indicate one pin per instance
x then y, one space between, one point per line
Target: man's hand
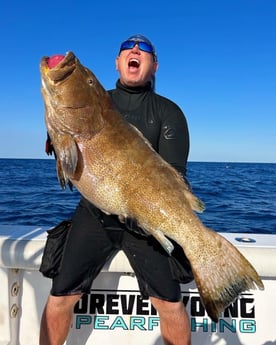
49 148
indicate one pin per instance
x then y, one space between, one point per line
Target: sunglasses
145 47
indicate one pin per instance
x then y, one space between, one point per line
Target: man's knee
162 305
62 302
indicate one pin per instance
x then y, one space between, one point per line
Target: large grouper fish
114 167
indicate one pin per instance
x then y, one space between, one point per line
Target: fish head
71 94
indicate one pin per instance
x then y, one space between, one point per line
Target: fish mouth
58 67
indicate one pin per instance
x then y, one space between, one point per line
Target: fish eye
90 82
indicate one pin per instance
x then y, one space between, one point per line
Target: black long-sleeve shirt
160 120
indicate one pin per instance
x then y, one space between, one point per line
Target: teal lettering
213 326
153 322
83 320
99 322
203 324
119 323
224 324
138 322
247 326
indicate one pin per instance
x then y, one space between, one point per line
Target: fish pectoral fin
164 241
195 203
67 154
62 177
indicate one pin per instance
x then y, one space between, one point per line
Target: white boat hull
114 313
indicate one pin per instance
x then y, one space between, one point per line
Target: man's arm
174 142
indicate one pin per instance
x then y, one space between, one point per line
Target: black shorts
89 245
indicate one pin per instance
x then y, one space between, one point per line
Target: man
95 237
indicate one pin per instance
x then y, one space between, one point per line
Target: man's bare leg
174 322
56 319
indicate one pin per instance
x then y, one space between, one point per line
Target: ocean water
239 197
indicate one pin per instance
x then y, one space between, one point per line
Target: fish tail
221 273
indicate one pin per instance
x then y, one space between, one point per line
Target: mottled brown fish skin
113 166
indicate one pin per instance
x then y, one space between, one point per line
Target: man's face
135 66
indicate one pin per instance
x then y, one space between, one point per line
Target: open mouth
134 63
54 60
58 67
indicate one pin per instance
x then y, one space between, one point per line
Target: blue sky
217 61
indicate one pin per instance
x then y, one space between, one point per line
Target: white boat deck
23 292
